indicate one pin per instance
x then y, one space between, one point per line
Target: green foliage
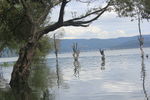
146 5
44 47
15 28
130 8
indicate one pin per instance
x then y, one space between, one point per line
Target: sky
109 25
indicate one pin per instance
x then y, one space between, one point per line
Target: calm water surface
124 76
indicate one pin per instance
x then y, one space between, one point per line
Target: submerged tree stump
76 51
102 59
76 63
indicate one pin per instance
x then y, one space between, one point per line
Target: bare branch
61 14
59 23
75 22
80 21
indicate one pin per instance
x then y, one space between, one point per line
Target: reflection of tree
3 81
1 73
103 65
143 75
41 82
59 74
76 63
77 67
6 95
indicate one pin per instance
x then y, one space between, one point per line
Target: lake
123 76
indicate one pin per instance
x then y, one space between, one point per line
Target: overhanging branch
80 21
61 14
59 23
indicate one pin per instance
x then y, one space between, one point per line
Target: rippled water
125 76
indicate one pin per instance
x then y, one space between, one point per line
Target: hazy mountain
95 44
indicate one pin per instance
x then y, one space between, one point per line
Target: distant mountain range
95 44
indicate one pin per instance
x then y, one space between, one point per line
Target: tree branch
59 23
61 14
47 10
89 14
75 21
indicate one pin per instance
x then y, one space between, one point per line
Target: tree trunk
21 69
141 39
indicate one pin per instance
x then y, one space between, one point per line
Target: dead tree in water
56 39
76 63
102 53
76 51
140 38
56 49
102 59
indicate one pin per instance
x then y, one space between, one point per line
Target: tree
130 8
137 9
56 42
12 31
32 14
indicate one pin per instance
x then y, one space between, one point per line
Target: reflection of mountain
95 44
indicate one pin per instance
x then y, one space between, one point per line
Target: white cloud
120 87
92 32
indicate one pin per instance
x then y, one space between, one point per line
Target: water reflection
59 74
1 73
147 56
41 85
3 82
77 68
103 65
143 76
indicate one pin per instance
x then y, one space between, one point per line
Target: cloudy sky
107 26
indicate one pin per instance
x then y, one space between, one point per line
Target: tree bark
21 69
